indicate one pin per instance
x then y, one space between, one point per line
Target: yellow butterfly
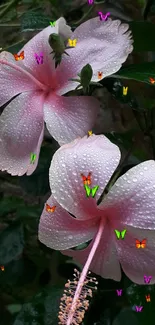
90 133
52 24
72 42
125 90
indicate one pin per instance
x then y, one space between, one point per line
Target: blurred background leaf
34 20
140 72
11 242
142 32
43 308
38 183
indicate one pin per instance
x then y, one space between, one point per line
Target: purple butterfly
38 58
119 292
147 279
139 308
103 17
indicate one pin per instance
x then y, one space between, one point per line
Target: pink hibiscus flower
40 88
129 204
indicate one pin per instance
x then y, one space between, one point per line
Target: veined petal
12 81
69 117
131 200
95 154
137 262
45 72
21 133
104 45
105 262
58 230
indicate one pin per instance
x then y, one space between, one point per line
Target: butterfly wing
152 80
138 243
16 57
49 208
22 55
117 233
88 190
94 190
31 157
84 179
123 233
143 243
74 42
89 179
90 133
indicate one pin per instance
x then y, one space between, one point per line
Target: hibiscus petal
137 262
95 154
105 262
58 230
21 133
45 72
62 29
12 81
104 45
131 200
69 117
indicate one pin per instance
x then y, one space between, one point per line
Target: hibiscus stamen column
71 304
20 69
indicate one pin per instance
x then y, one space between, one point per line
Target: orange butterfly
2 267
50 209
100 74
152 80
86 180
19 57
141 244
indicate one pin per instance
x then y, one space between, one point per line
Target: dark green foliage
140 72
11 243
34 20
42 310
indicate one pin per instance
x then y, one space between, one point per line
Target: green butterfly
52 24
32 157
91 191
120 234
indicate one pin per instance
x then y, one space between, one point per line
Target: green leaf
17 273
29 211
14 308
127 317
11 243
34 20
10 204
42 310
140 72
16 47
86 75
143 35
